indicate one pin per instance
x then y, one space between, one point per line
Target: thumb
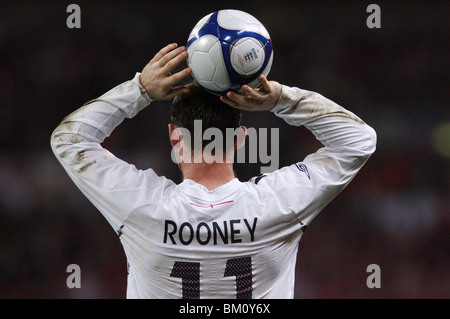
173 92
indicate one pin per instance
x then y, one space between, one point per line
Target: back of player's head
199 104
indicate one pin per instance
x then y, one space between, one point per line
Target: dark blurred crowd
394 214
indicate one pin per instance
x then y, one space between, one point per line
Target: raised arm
111 184
308 186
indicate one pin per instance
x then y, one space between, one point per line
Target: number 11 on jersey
189 272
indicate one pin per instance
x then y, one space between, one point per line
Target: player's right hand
263 98
156 76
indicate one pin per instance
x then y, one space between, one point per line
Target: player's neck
209 175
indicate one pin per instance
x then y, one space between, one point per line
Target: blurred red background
394 214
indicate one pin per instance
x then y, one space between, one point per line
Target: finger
169 56
164 51
238 101
177 77
177 91
229 102
254 94
265 83
236 98
174 62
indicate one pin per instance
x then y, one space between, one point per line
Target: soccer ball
227 49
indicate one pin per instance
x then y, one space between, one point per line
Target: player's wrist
138 80
282 102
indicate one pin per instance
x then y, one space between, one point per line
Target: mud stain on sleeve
86 166
80 156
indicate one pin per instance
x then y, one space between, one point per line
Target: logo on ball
250 55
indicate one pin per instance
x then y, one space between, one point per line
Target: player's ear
240 137
175 135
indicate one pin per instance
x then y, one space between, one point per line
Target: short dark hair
199 104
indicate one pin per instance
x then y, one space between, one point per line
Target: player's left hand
156 76
263 98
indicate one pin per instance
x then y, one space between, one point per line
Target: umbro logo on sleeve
302 168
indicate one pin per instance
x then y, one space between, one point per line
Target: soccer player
211 236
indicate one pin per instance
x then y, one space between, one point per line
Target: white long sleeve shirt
239 240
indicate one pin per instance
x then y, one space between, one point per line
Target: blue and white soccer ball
227 49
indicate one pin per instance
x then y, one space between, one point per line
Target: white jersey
239 240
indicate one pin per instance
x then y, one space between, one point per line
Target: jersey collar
197 190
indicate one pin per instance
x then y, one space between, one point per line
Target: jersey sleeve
306 187
112 185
